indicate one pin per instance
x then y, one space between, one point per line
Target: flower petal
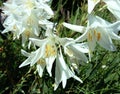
95 21
62 72
92 4
38 42
49 64
76 28
78 54
40 68
114 7
25 53
113 29
26 62
105 40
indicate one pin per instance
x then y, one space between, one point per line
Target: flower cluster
30 20
26 17
98 30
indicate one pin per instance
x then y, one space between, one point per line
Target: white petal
26 62
76 28
49 63
78 54
83 47
114 36
92 4
66 41
62 72
40 68
82 37
114 7
95 21
64 81
47 9
113 29
38 42
91 42
37 55
25 53
105 40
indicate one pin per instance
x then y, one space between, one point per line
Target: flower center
50 50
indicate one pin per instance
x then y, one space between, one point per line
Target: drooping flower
26 18
63 72
98 30
50 51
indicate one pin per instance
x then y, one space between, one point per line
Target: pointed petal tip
20 66
80 80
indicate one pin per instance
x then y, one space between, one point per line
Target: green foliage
100 76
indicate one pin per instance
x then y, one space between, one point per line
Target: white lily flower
14 26
47 51
26 18
100 31
92 4
62 72
50 50
114 7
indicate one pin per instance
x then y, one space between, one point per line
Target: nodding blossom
98 31
25 18
50 51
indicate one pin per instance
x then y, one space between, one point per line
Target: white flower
114 7
62 72
49 51
92 4
100 31
46 51
26 18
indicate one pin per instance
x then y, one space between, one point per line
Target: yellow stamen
94 32
89 37
50 50
98 36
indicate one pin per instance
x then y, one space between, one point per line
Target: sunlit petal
76 28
